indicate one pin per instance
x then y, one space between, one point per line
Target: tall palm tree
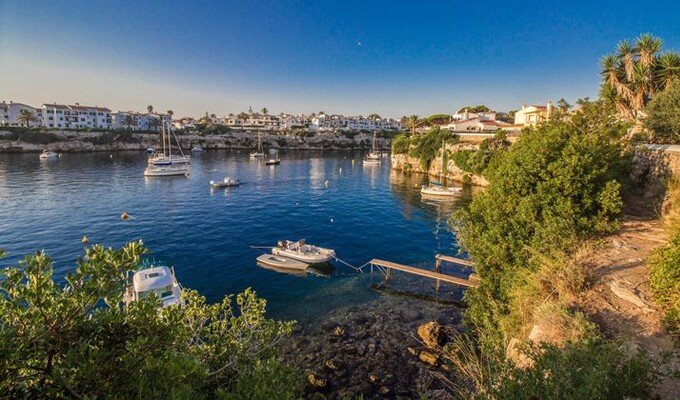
149 108
129 120
265 111
25 117
632 76
413 122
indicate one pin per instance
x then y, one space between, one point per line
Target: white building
9 114
533 115
75 116
483 116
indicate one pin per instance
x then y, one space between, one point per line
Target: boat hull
449 191
167 171
281 262
316 258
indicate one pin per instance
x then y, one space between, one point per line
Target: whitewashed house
75 116
140 121
9 114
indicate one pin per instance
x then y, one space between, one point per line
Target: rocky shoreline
70 141
376 350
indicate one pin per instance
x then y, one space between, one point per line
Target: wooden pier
388 266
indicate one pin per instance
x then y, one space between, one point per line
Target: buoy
326 183
126 216
341 170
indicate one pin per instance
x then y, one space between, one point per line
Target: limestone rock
317 381
330 365
428 358
432 334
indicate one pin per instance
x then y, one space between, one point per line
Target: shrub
461 158
663 115
28 135
76 340
401 144
426 146
664 274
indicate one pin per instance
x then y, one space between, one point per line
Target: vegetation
426 146
111 137
25 118
77 341
401 144
438 119
475 109
663 115
412 123
28 135
665 281
476 161
632 76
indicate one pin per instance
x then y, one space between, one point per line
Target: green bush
29 135
664 274
556 185
401 144
462 159
77 341
426 146
663 115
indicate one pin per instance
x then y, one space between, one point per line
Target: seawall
406 163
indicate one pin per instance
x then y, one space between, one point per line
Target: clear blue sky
347 57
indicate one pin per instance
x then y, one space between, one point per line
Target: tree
265 111
663 115
475 109
129 120
374 117
413 122
25 117
632 76
154 123
149 108
563 105
74 340
243 116
170 113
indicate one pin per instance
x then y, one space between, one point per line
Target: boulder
432 334
317 381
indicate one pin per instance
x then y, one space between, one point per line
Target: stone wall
653 166
405 163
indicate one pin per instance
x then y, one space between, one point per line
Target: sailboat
436 188
373 157
259 153
165 163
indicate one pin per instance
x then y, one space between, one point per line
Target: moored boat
281 262
197 149
226 182
166 163
434 189
48 155
274 160
303 252
259 153
159 280
373 157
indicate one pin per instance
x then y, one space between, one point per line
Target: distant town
77 116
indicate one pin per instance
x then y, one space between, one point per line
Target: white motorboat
197 149
281 262
274 160
226 182
150 150
259 153
167 163
159 280
48 155
303 252
437 189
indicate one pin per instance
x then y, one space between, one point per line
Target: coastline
72 142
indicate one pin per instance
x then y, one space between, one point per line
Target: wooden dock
459 261
389 266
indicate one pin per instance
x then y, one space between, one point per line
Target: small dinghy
226 182
303 252
281 262
48 155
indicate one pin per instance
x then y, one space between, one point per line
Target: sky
347 57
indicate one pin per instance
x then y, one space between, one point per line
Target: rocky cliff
406 163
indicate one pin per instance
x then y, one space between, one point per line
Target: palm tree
413 122
25 117
632 76
170 113
265 111
154 123
129 120
149 108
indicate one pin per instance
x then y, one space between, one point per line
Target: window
51 118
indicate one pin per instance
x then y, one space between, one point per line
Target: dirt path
620 300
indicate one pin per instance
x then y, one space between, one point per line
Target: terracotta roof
466 120
489 122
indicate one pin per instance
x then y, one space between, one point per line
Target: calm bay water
363 212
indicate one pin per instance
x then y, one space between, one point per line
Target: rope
359 269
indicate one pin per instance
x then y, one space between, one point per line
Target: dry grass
671 207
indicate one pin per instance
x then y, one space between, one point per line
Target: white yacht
197 149
373 157
303 252
226 182
274 160
166 163
159 280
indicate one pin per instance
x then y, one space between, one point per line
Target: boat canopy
152 279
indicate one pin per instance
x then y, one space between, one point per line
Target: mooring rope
360 269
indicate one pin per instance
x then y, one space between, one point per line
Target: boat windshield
162 293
